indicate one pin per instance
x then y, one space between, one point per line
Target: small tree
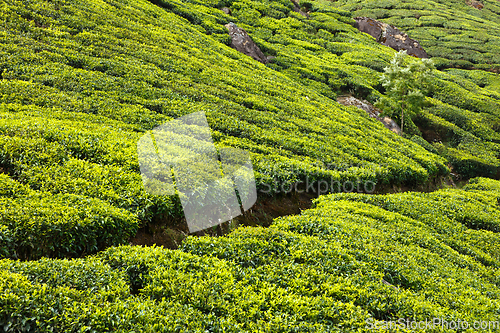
407 82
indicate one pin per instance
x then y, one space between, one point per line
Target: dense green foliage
81 82
351 260
406 83
464 106
36 224
324 52
451 31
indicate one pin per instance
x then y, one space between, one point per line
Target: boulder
296 8
244 44
226 10
391 36
372 111
476 4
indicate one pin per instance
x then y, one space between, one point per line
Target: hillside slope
463 112
351 264
81 82
454 32
323 50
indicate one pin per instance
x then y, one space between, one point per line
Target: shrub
63 225
81 84
406 85
350 260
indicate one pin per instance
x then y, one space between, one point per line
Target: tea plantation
350 263
82 81
454 32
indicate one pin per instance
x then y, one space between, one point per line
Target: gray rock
391 36
372 111
244 44
476 4
226 10
296 8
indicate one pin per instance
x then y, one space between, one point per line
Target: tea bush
82 82
61 225
352 260
27 305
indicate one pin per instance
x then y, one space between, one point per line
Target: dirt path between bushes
171 233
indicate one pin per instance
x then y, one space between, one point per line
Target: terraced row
349 264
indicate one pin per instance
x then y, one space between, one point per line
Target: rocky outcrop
391 36
372 111
270 58
244 44
296 8
476 4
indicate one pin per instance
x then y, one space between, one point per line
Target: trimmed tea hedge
349 263
81 82
39 225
